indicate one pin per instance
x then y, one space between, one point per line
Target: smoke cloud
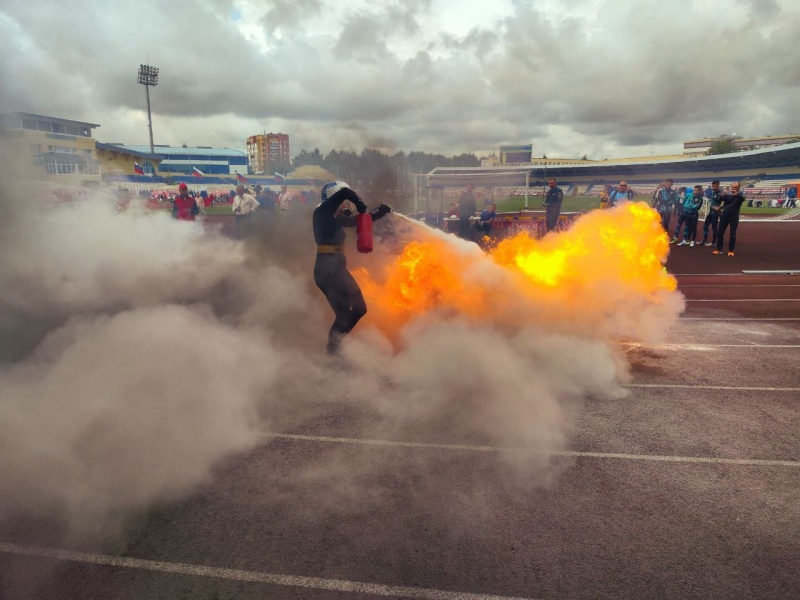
138 353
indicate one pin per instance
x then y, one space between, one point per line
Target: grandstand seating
132 179
769 188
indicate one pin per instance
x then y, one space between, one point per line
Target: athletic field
686 488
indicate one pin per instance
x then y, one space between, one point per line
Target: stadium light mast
148 76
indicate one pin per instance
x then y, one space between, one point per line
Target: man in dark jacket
330 270
714 193
731 204
466 208
552 204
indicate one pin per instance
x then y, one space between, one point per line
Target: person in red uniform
184 207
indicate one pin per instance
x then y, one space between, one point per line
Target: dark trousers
343 294
465 230
724 221
665 218
245 225
690 229
552 211
712 219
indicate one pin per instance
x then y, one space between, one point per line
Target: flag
280 177
197 172
241 178
138 169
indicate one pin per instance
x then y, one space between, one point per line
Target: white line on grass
570 453
317 583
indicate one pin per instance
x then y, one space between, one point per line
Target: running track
687 488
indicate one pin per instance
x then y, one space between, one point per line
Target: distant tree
584 157
378 175
308 158
465 160
722 147
544 156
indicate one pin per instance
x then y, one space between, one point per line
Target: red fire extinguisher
364 233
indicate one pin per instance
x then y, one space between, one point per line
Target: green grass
225 209
570 204
586 203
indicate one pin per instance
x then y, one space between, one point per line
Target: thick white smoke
138 352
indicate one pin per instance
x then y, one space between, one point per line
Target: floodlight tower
148 76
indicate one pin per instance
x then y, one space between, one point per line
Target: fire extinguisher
364 233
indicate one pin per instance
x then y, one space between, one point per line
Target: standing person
714 193
619 195
244 208
791 197
184 207
201 203
604 197
691 208
466 208
664 202
266 200
284 199
330 270
731 204
552 204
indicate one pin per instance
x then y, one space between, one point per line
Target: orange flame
608 263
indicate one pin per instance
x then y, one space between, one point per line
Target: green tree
722 147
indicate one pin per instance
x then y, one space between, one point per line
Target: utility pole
148 76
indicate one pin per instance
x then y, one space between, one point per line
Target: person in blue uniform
691 208
664 202
330 269
487 217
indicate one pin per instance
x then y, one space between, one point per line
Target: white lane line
728 286
739 318
749 300
507 450
317 583
713 387
706 346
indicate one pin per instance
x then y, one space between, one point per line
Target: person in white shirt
245 206
285 199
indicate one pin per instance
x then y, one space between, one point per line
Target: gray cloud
623 77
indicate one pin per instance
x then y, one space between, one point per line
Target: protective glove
380 212
360 206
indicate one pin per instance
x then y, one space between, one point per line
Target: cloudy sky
606 78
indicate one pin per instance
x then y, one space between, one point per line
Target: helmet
329 189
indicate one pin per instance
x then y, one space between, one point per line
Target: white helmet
329 189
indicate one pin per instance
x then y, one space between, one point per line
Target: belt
329 249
